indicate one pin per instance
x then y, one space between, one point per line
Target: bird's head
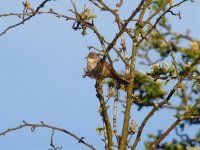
93 57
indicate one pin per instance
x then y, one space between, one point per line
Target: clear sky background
41 68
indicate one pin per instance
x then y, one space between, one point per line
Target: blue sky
41 65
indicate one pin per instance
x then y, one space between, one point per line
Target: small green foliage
157 5
27 5
170 3
85 17
159 2
152 136
109 82
193 51
99 130
162 71
166 82
84 32
148 89
87 14
197 82
171 70
154 7
177 115
198 136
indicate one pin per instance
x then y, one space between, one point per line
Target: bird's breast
91 64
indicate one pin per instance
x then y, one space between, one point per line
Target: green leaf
170 69
154 7
166 82
92 16
99 130
84 32
170 3
152 136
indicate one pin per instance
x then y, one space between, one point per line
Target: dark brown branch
104 113
153 147
43 125
156 106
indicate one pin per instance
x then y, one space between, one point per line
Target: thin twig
171 51
23 21
115 115
39 13
119 4
110 46
52 143
96 4
156 22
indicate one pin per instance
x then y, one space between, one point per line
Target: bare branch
153 147
110 46
43 125
182 117
24 20
158 19
119 4
96 4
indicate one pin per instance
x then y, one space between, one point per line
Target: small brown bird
97 68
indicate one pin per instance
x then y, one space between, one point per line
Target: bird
97 68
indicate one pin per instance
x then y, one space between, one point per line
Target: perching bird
97 68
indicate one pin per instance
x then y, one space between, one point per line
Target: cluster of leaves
27 5
146 89
194 120
162 71
187 50
192 52
86 16
156 43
